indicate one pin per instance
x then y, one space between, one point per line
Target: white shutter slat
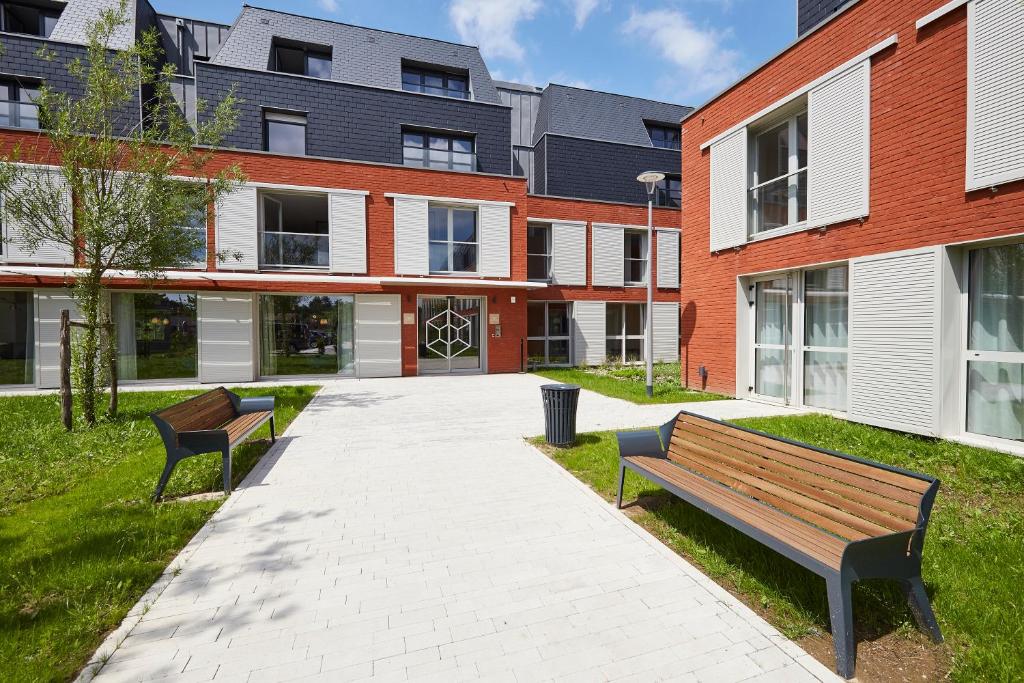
238 229
569 253
608 249
995 92
729 191
411 237
495 241
348 233
14 247
839 147
588 332
668 259
665 324
378 335
226 338
894 341
48 305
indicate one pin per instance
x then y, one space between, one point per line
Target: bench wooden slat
811 541
206 411
820 493
812 474
238 427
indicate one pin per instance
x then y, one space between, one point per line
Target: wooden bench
844 518
214 422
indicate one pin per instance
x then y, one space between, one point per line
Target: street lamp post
651 180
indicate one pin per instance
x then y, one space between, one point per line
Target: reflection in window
435 150
306 335
624 332
17 104
826 315
435 82
294 230
156 335
778 195
665 137
302 60
17 338
29 19
547 330
635 257
284 133
669 192
453 239
538 252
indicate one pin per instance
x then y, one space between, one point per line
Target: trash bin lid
560 387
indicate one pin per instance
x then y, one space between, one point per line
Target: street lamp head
650 179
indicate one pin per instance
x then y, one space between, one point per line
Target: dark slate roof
360 55
581 113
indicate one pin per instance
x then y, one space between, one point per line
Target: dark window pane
411 78
462 145
464 258
558 320
773 153
535 320
412 139
291 60
801 140
157 336
634 350
634 319
437 223
558 351
537 267
17 343
613 350
535 351
438 258
463 225
286 138
319 65
537 239
613 320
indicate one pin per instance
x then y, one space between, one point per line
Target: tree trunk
65 368
111 351
89 297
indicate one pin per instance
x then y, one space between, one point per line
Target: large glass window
453 239
773 320
17 338
434 150
635 257
30 19
538 252
826 316
284 133
306 335
995 342
624 332
17 104
669 192
294 230
778 194
303 60
156 335
547 330
665 137
435 82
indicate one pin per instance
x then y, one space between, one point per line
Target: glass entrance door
449 334
773 337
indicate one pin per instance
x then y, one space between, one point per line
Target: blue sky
679 51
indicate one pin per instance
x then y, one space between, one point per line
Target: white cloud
703 64
328 5
491 24
582 9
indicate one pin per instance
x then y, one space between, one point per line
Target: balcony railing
436 90
295 250
438 158
15 114
780 202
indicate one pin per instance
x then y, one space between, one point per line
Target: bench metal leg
227 471
840 608
164 476
622 481
921 606
273 433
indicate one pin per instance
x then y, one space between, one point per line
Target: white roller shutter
411 237
226 349
668 259
348 232
238 229
48 305
378 335
729 191
14 247
839 147
995 92
494 240
569 253
666 332
608 244
894 341
589 332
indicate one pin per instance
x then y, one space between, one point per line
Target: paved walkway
403 530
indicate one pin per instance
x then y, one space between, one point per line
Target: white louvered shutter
15 249
666 332
48 305
238 229
839 147
411 237
729 191
995 92
348 232
493 222
608 256
378 335
894 341
668 259
226 352
569 253
588 332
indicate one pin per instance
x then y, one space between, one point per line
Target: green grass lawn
79 540
974 553
629 382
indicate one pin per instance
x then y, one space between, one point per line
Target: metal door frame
481 333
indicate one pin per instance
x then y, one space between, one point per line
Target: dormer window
665 137
433 81
33 19
300 59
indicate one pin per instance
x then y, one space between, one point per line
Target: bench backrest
206 411
846 496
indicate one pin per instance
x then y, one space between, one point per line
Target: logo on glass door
449 334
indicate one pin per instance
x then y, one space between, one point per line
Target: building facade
386 226
853 223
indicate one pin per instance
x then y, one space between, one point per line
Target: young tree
114 194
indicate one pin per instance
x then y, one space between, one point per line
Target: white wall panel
569 253
493 222
588 332
378 335
729 191
238 229
668 259
226 348
666 332
411 237
608 247
48 305
49 252
348 233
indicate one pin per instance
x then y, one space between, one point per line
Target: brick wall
918 142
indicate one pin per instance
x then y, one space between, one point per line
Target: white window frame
549 255
548 337
793 173
626 260
450 241
622 336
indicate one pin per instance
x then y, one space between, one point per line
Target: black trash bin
560 402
